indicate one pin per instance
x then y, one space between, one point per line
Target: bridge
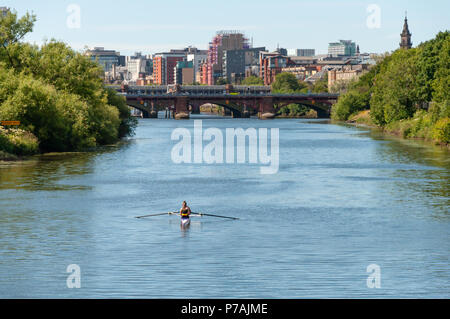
240 101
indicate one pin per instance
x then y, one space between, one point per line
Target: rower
185 211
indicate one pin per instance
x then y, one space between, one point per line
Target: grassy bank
309 114
17 142
421 126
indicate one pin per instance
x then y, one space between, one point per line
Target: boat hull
185 222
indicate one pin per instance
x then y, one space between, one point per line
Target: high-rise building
233 64
301 52
342 48
223 41
163 66
106 58
236 62
405 36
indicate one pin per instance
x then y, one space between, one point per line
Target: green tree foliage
17 141
349 104
12 30
57 93
253 80
221 81
287 83
407 92
396 94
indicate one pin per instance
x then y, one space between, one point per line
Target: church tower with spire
405 42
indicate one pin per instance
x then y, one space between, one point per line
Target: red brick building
163 67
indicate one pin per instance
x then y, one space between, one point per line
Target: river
344 198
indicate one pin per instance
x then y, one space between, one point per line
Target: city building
304 60
237 62
281 51
301 52
106 58
184 73
233 65
252 61
272 64
137 65
197 59
223 41
163 66
342 48
345 73
405 36
301 72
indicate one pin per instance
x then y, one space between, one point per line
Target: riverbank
15 143
311 114
6 157
411 129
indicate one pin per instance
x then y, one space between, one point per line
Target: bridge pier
266 109
145 114
181 108
153 113
245 112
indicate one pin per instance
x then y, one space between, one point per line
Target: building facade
137 66
301 52
197 59
342 48
345 73
163 67
184 73
106 58
271 64
223 41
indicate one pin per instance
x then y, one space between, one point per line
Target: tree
395 93
57 93
348 104
221 81
253 80
12 30
286 83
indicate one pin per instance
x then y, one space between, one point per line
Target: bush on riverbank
17 141
407 92
56 93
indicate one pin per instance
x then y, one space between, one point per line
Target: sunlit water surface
344 198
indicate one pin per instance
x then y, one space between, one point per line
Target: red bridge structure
240 101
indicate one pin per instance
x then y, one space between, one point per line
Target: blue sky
154 26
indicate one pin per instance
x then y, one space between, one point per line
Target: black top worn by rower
185 212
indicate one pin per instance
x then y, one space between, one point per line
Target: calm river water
344 198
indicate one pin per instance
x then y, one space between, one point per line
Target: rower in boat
185 213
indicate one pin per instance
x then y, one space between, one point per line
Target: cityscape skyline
375 27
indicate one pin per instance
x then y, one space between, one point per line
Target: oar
211 215
160 214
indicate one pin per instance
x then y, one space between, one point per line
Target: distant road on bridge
240 100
